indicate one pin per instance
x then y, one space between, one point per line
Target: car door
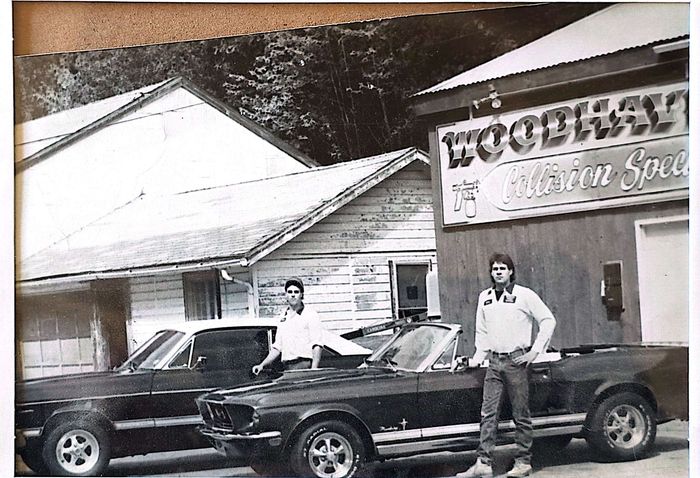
226 357
450 401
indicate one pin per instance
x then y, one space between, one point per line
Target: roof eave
277 240
589 75
214 263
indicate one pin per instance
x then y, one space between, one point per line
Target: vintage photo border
7 202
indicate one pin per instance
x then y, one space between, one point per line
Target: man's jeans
503 372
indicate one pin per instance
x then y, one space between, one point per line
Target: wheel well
77 415
341 416
639 389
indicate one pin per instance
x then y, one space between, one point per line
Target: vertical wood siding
344 259
559 257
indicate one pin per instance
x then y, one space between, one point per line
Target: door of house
662 260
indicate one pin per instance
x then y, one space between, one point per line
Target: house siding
345 259
156 302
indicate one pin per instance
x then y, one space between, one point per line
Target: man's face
293 295
501 274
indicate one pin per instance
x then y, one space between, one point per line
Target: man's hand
257 369
526 358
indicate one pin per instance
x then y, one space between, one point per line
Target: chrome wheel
330 455
625 426
77 451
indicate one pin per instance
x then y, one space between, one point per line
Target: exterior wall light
493 97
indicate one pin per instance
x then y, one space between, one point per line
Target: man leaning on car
504 317
299 333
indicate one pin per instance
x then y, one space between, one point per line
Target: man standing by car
504 317
299 334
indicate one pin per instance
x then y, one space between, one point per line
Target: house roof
213 227
42 137
619 27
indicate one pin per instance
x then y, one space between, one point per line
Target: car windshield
153 351
409 348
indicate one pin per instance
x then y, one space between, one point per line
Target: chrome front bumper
229 436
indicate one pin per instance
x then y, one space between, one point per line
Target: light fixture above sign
493 97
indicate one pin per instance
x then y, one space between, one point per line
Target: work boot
478 469
520 469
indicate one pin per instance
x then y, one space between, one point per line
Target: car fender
609 388
77 410
336 411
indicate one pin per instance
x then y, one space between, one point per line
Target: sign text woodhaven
620 149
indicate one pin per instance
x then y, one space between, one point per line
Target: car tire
550 444
34 461
623 427
270 468
78 448
328 449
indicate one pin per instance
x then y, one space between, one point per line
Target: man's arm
546 324
271 357
481 338
316 353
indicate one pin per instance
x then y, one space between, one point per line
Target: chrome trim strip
453 430
234 436
415 446
505 425
134 424
31 432
394 436
178 421
158 422
563 424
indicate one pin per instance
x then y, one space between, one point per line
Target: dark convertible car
416 395
73 424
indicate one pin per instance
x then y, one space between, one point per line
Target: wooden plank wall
395 215
559 257
344 259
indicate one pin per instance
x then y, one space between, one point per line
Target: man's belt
513 354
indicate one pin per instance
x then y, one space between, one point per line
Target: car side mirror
459 363
200 364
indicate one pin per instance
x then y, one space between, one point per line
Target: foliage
336 93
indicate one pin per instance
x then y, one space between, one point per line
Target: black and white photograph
447 244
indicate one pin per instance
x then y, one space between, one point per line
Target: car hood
306 385
82 385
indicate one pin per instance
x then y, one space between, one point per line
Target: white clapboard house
360 234
76 166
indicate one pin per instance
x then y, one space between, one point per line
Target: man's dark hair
503 259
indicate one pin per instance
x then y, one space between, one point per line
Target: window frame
394 265
189 279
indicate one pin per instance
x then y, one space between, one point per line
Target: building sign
620 149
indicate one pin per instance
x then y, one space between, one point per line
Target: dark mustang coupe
414 395
73 424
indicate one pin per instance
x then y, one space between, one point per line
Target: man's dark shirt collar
509 288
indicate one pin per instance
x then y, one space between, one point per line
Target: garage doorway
662 261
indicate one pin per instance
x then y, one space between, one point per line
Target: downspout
252 306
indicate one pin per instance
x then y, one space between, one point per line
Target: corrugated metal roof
204 225
618 27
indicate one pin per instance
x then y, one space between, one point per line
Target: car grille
232 417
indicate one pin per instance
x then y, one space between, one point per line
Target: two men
299 334
504 317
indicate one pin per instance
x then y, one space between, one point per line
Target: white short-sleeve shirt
298 333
